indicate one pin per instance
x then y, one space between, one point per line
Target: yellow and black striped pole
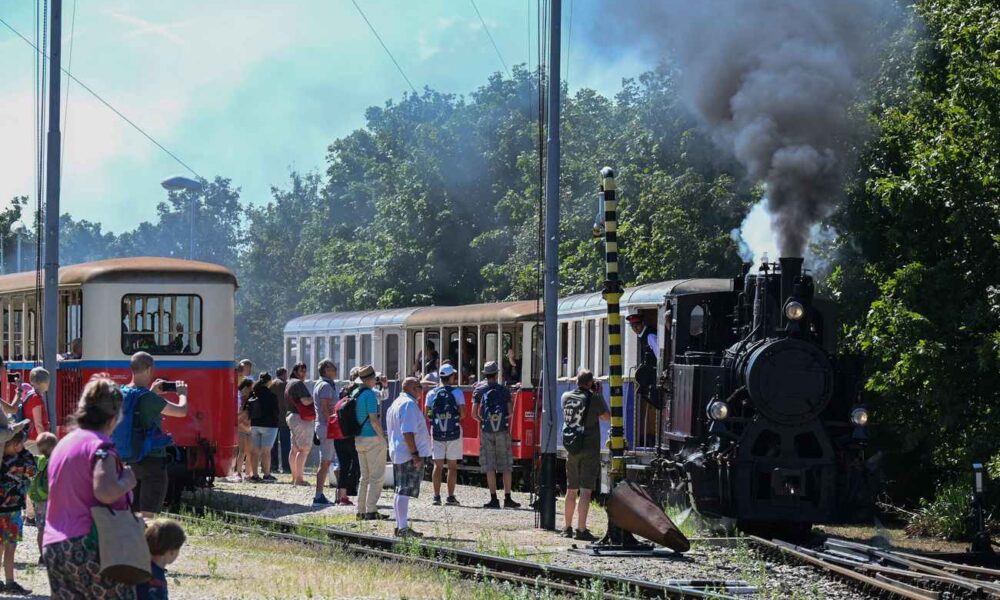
612 295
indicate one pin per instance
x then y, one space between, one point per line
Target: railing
70 386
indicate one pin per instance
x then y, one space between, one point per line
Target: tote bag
121 539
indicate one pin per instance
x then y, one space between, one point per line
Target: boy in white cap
446 409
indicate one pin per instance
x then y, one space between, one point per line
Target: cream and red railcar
180 311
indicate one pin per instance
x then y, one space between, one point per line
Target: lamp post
18 229
179 183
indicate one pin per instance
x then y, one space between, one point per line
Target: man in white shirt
409 443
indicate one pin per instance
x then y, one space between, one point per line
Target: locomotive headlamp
794 310
859 416
718 410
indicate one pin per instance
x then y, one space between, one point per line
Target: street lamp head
178 183
18 227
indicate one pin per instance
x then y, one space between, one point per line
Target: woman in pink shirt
85 471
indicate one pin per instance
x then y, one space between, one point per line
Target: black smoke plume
774 81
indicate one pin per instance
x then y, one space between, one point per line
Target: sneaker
15 588
493 503
452 501
361 516
234 479
567 533
436 501
584 535
509 503
345 502
321 501
407 533
376 516
269 478
254 479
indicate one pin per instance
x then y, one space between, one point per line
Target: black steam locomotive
762 421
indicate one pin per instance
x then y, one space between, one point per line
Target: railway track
888 573
471 564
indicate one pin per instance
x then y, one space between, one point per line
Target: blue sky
250 89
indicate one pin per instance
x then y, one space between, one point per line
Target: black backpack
347 414
575 411
494 409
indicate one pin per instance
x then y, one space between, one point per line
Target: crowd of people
114 455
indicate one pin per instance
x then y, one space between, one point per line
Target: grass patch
754 571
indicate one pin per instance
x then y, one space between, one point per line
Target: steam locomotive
761 422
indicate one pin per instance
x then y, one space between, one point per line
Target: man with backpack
324 397
446 409
139 436
371 445
492 406
582 408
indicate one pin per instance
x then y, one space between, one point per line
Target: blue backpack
133 441
444 415
493 409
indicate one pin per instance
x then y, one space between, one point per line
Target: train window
417 366
391 356
366 349
563 350
589 351
537 353
71 324
431 356
697 321
490 347
602 350
321 348
350 354
578 349
335 355
307 355
161 324
292 350
470 354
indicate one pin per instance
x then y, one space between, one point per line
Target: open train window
161 324
335 356
366 349
350 354
392 356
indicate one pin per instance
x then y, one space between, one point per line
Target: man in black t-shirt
583 466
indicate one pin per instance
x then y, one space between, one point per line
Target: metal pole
191 229
50 313
547 496
612 295
19 252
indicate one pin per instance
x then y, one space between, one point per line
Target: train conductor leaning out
645 373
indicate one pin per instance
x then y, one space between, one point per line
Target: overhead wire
490 35
103 101
384 47
69 67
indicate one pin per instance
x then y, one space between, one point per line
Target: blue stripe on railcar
124 364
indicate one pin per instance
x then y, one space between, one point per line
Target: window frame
190 334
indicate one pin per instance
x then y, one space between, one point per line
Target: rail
890 573
473 564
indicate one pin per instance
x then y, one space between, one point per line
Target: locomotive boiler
762 420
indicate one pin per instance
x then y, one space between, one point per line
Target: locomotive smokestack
791 269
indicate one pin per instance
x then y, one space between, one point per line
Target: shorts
450 450
40 514
407 477
583 469
302 431
326 450
495 451
263 437
151 483
11 526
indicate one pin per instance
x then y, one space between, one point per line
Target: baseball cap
446 371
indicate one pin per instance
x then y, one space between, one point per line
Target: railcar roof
474 314
650 293
348 321
145 269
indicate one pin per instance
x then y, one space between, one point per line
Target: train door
642 392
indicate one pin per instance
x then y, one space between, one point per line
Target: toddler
38 493
165 538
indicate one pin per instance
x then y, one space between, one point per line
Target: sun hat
491 368
8 430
